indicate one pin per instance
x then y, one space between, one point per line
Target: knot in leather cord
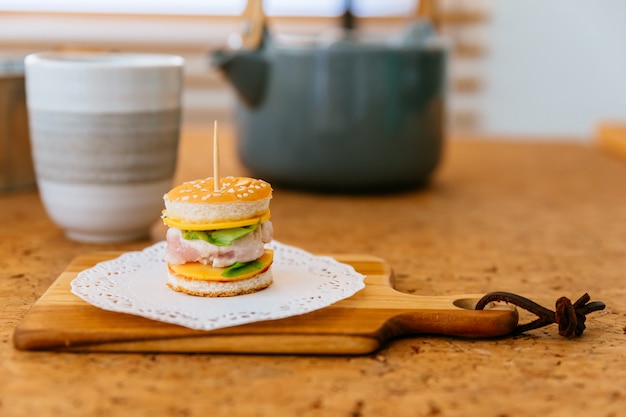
569 317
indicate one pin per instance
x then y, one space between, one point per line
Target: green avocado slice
239 268
221 237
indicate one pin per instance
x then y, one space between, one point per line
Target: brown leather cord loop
569 317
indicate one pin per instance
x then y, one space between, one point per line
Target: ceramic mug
104 136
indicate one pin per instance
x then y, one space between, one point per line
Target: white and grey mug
104 135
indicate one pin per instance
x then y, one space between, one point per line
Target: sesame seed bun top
195 205
232 189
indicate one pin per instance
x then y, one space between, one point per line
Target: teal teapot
340 111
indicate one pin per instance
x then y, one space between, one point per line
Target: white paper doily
135 283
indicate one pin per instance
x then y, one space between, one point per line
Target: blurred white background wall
552 68
555 67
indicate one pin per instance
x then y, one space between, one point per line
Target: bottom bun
205 288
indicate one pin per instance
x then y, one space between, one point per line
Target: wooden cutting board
361 324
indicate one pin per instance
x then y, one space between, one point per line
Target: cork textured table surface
541 219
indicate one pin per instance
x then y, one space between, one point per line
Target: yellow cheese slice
196 270
215 226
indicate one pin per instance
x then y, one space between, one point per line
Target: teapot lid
416 36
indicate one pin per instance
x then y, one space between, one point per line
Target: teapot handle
254 24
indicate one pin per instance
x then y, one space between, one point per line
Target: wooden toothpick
216 161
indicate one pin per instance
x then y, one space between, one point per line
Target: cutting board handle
496 322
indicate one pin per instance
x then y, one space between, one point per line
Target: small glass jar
16 166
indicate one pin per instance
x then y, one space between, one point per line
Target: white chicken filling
244 249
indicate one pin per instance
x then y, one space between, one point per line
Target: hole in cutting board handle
470 304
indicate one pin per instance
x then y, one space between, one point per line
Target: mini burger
215 240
